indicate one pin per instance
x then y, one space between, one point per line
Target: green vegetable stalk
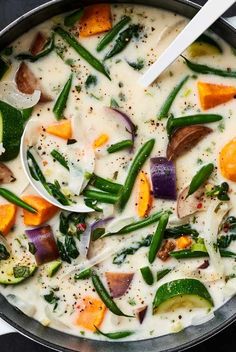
200 178
128 143
61 101
158 237
14 199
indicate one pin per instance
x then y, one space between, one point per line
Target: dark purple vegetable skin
45 244
141 313
163 177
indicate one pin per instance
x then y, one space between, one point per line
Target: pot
54 339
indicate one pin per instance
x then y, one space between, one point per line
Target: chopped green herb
138 65
91 81
220 191
113 103
51 298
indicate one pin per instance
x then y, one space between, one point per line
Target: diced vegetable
7 218
158 237
11 129
228 161
141 313
135 167
166 248
184 139
112 33
45 244
62 129
38 43
181 293
126 144
14 272
163 177
105 297
212 95
61 101
3 67
45 210
204 45
101 196
14 199
188 205
116 335
147 275
144 201
100 141
27 83
84 53
204 69
91 312
221 191
118 283
170 99
98 228
74 17
123 40
60 158
174 123
96 19
6 175
53 267
83 275
200 178
183 242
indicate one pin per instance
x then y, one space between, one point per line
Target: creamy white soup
151 174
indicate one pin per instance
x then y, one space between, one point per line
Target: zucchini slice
13 272
204 45
187 293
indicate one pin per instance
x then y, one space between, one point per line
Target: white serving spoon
208 14
78 207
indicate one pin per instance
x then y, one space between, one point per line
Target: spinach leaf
121 256
138 65
70 247
175 232
229 227
91 81
220 191
63 254
51 298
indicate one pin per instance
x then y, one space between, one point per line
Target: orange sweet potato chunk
144 201
7 218
96 19
212 95
62 129
91 313
45 210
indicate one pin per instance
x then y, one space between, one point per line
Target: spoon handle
208 14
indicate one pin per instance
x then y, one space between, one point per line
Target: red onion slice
45 244
98 228
130 126
163 178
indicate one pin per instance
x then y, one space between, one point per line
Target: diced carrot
45 210
144 201
96 19
183 242
91 313
212 95
100 141
62 129
7 217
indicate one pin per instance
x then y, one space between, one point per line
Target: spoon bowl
37 185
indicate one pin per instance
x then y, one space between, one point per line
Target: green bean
174 123
162 273
200 178
128 143
54 190
85 274
35 170
138 224
71 19
115 335
158 237
101 196
105 185
170 99
123 40
187 253
204 69
84 53
3 67
26 114
12 198
60 158
61 101
135 167
112 33
49 47
147 275
91 203
106 298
